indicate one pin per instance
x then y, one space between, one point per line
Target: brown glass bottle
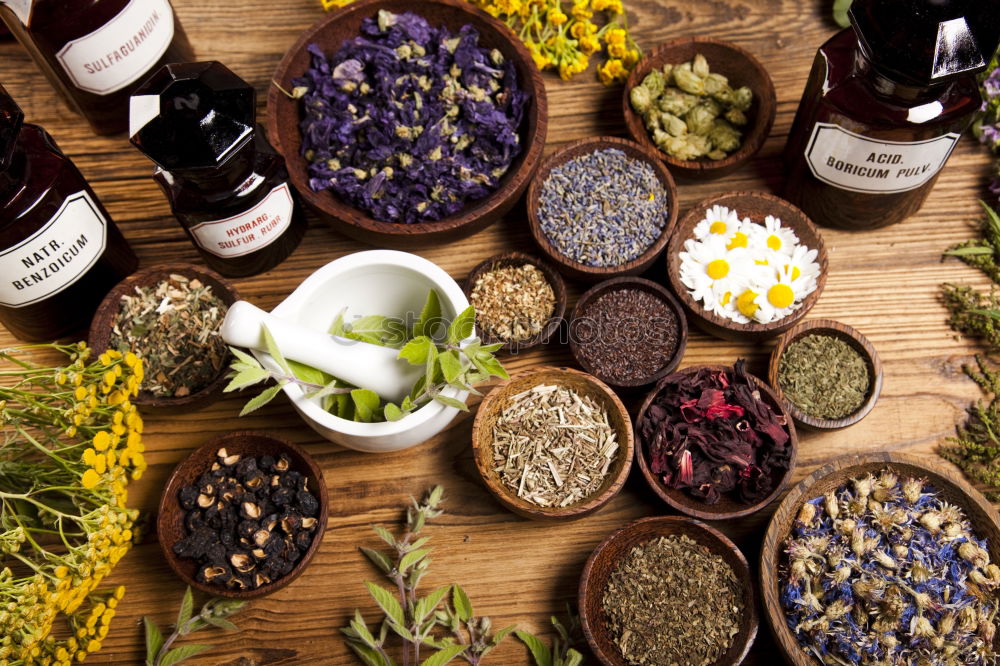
60 252
96 52
884 106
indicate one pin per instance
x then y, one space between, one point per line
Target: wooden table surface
885 283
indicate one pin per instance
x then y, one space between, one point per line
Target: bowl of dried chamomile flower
886 556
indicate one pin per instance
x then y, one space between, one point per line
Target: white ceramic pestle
358 363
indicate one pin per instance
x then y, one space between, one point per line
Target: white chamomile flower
740 238
725 299
774 299
709 270
801 268
718 221
774 237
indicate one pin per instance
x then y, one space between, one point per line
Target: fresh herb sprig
418 621
160 650
562 652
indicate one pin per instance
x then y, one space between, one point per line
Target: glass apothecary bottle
226 184
96 52
884 106
60 252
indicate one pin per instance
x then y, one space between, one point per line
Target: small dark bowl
495 401
641 284
555 281
756 206
602 562
733 62
727 507
170 519
575 269
858 342
283 116
101 326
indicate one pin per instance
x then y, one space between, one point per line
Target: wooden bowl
858 342
983 517
575 269
602 562
727 507
756 206
582 383
741 68
170 519
99 336
595 292
555 280
283 115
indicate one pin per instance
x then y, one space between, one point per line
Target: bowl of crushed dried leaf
552 443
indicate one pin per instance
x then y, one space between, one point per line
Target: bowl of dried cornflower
552 443
407 122
705 106
883 559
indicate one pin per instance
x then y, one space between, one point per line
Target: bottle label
249 231
21 8
858 163
122 50
55 256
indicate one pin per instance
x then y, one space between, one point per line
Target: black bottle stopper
11 119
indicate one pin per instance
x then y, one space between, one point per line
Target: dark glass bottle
885 103
60 253
96 52
226 185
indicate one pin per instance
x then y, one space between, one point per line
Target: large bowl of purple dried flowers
408 122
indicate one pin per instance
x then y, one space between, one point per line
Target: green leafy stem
160 650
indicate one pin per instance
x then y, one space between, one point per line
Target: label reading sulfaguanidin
858 163
122 50
55 256
249 231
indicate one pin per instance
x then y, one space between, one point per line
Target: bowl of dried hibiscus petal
714 442
407 123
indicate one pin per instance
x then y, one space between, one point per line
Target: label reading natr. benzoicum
55 256
858 163
249 231
122 50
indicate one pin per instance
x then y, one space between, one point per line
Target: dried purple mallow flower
883 570
410 122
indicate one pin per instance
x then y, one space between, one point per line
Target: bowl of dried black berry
243 515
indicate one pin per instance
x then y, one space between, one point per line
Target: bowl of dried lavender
434 139
714 442
668 590
169 316
242 515
883 559
552 443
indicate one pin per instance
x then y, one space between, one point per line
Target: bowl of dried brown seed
552 443
243 515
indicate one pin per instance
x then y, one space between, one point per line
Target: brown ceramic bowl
101 326
756 206
727 507
555 281
170 519
570 267
329 34
858 342
577 329
493 404
980 513
725 58
605 558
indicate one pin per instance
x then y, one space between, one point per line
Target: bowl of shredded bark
668 591
243 515
552 443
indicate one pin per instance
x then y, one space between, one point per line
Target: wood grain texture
883 282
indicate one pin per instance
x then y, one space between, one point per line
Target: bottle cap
927 42
191 115
11 119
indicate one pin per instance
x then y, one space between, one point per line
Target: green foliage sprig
562 652
160 650
840 8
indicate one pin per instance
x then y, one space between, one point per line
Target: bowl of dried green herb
668 590
827 374
552 443
883 559
170 317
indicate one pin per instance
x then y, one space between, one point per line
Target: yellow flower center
739 240
746 305
774 243
796 273
718 228
718 269
780 296
761 262
728 296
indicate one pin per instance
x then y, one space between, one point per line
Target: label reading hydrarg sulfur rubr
122 50
55 256
249 231
858 163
